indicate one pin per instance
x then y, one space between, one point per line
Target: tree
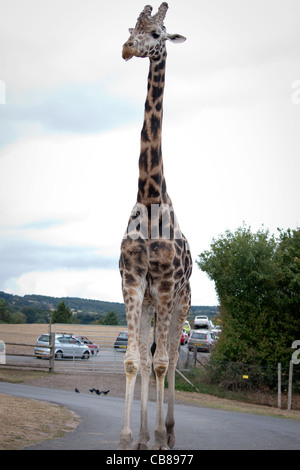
110 319
257 279
30 314
4 312
62 314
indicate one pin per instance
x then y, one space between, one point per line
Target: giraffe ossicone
155 261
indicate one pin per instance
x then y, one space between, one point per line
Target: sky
71 112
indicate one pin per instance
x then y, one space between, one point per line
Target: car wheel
58 355
85 355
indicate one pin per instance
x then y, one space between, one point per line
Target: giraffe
155 261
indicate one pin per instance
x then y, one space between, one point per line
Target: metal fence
105 358
18 345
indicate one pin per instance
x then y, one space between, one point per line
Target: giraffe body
155 261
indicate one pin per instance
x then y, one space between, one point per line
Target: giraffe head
149 36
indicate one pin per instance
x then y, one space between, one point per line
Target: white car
201 321
65 346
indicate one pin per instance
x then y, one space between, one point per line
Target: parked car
94 348
65 346
184 337
122 340
187 327
201 321
203 340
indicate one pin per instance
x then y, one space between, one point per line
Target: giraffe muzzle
129 50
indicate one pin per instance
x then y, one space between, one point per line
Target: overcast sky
70 118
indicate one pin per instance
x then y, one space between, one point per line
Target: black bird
105 393
98 392
92 390
76 390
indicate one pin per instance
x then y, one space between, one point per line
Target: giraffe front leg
145 366
132 300
131 369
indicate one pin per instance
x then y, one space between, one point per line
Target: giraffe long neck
152 185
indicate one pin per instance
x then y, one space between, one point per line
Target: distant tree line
39 309
62 314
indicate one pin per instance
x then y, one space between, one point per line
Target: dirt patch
115 383
26 422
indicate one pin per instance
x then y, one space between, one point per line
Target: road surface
197 428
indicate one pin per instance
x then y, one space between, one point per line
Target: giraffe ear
176 38
130 30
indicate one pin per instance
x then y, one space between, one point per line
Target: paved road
197 428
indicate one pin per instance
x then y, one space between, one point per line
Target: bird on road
76 390
105 393
98 392
92 390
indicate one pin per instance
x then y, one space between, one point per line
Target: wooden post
290 386
279 385
52 352
187 380
195 355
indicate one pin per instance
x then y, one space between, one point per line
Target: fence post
52 352
195 354
279 385
290 386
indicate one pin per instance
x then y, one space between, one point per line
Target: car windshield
199 335
44 338
123 335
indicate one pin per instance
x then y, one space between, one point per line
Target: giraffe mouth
127 53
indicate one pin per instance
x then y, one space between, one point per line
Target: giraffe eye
155 35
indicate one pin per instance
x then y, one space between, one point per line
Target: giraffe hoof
125 443
140 446
123 446
171 440
160 447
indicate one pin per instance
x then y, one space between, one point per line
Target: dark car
122 340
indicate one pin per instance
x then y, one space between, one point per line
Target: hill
38 308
